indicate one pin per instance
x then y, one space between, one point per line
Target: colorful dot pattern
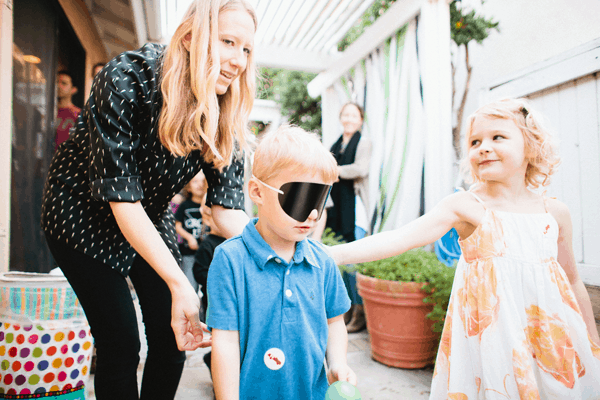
41 361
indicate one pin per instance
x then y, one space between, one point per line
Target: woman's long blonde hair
193 117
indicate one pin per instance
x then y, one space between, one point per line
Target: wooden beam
396 16
139 19
293 59
85 29
568 66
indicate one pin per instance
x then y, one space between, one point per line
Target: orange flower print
595 348
524 377
552 347
478 383
478 301
443 356
486 241
446 338
566 292
457 396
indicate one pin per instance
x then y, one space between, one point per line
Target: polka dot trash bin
45 340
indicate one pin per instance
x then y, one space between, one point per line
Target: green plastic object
342 391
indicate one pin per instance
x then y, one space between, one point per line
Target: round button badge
274 359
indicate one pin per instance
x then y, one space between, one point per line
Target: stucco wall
531 31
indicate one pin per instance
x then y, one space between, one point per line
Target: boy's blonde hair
193 116
292 149
540 147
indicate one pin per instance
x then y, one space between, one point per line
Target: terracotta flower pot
401 335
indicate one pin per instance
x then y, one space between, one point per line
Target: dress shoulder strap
477 198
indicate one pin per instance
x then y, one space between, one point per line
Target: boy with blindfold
276 299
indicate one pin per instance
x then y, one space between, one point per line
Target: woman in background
353 154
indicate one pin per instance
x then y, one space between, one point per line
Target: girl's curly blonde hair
540 148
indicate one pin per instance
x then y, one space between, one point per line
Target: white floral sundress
514 329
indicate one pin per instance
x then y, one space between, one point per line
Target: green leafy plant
418 265
330 238
289 89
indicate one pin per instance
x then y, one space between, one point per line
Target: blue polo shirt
280 311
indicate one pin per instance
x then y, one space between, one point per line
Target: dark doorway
39 27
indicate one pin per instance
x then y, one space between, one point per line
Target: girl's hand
341 372
192 243
185 320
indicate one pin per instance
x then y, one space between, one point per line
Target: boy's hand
341 372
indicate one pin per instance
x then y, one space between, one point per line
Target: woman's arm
230 222
566 259
141 233
422 231
225 363
362 160
337 347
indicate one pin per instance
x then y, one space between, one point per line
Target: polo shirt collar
261 252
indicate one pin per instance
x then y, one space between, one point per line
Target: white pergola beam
340 32
397 15
139 19
293 59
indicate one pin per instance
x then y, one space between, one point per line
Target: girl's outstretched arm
566 259
422 231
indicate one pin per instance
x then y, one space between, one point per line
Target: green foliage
330 238
464 26
467 26
418 266
289 89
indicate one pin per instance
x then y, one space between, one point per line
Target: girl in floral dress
520 323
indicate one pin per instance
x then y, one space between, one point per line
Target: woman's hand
141 233
185 320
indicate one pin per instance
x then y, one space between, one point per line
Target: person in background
97 68
67 111
155 118
275 298
352 152
202 259
188 224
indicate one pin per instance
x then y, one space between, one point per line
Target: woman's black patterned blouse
114 154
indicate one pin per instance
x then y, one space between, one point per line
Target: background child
188 224
275 298
520 322
202 259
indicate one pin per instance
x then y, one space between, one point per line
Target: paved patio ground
375 381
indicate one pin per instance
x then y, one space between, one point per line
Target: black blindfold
298 199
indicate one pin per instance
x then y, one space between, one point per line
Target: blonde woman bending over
154 119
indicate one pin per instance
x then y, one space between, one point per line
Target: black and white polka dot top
114 154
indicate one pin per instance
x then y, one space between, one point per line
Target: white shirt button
287 272
288 293
278 261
